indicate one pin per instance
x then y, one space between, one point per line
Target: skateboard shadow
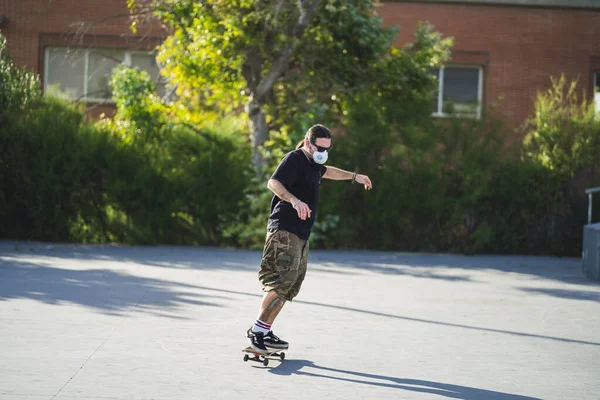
309 368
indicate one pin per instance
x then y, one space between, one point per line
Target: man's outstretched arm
338 174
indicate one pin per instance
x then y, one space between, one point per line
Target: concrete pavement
110 322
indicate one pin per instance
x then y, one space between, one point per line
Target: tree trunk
260 85
259 132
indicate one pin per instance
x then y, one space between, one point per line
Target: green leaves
18 87
203 57
137 105
564 132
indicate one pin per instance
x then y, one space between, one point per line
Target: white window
84 74
597 90
459 91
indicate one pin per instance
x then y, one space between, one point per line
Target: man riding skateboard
295 186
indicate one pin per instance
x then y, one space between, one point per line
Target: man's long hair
315 132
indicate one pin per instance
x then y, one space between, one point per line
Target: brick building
74 44
507 49
503 49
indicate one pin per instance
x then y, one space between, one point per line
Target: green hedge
64 179
47 176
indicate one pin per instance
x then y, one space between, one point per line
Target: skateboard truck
262 357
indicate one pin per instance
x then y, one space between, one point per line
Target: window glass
597 90
461 90
146 61
100 67
65 72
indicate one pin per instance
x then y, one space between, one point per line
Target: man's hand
364 180
303 210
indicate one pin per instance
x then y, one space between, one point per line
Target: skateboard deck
263 357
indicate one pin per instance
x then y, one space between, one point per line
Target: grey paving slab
112 322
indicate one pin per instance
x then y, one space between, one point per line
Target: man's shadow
309 368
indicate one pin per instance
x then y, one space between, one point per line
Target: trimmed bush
67 179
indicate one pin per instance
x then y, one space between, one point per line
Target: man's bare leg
270 307
260 334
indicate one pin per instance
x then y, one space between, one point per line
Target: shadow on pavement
176 257
105 290
420 265
567 270
420 320
208 258
565 293
309 368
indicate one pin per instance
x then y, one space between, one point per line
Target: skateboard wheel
246 357
282 356
266 362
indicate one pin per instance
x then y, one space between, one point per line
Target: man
295 185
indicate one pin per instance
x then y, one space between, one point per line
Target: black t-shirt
301 177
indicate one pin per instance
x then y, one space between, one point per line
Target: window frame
127 60
440 104
596 89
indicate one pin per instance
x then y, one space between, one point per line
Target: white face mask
320 157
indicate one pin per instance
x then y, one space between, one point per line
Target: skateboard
263 357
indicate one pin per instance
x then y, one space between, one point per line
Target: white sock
261 326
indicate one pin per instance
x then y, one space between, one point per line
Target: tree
276 59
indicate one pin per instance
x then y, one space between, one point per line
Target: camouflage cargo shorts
283 264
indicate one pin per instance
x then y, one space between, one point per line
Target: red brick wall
520 48
30 25
26 20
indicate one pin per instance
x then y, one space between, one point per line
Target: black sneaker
273 342
256 340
